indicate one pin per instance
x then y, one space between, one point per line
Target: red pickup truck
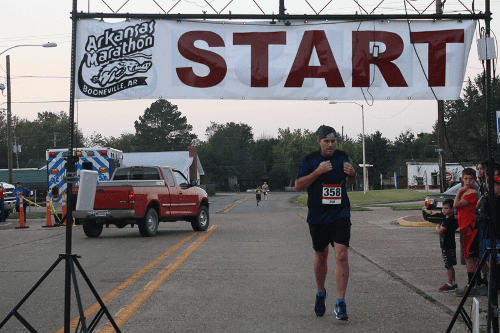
145 195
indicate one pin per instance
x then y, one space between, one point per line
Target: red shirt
466 214
2 192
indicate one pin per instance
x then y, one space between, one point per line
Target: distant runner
258 192
265 188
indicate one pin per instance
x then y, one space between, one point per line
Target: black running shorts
449 257
330 233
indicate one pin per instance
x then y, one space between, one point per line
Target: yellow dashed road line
124 314
232 205
115 292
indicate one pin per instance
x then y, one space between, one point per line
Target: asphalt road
250 272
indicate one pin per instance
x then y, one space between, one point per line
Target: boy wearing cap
323 173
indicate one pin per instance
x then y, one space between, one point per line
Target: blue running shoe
340 311
319 306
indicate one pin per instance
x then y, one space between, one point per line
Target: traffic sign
439 150
449 177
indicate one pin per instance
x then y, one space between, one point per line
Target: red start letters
327 70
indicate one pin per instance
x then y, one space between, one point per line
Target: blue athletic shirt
320 213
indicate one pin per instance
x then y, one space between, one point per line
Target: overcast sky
40 76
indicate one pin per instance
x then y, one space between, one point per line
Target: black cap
324 130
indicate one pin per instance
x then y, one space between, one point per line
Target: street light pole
9 111
364 150
9 126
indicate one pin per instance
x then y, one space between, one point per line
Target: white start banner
255 60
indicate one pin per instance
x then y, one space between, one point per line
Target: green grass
28 216
378 196
385 195
302 200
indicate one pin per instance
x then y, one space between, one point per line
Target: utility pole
9 124
492 315
442 160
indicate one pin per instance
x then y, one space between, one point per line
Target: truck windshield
181 180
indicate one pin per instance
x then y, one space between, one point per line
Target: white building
421 174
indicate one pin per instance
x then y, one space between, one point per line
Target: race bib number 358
332 194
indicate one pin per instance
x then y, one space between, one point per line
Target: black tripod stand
492 316
70 261
69 258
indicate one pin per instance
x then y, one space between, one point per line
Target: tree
403 145
377 154
48 130
226 154
163 128
354 150
425 145
290 150
95 140
126 142
261 151
466 122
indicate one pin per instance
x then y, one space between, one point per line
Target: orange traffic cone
49 214
22 224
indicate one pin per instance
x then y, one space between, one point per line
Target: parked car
434 203
9 200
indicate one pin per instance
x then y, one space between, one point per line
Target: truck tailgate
112 197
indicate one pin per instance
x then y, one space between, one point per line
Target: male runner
323 173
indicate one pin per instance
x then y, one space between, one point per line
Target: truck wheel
148 226
92 228
201 221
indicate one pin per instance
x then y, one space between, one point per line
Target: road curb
405 221
5 225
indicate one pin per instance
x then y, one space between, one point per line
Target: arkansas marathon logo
116 60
